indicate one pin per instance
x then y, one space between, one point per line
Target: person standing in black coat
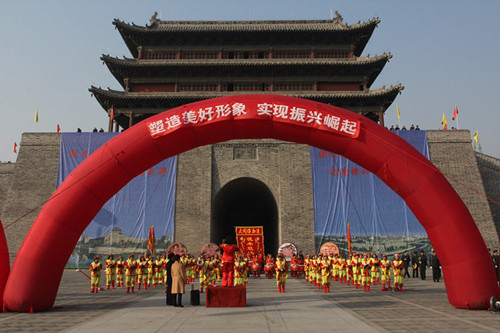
495 259
406 262
436 267
414 264
422 264
168 284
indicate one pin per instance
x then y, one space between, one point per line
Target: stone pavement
423 307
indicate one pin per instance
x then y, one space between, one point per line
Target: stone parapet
33 182
489 167
451 151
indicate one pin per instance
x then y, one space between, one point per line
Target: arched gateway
37 270
245 202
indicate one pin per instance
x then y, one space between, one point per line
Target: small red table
226 296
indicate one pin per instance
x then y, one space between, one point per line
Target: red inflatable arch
37 270
4 261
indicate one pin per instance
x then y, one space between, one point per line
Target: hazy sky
444 53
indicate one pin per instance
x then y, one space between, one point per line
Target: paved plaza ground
423 307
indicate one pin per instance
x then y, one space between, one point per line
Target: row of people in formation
357 270
147 272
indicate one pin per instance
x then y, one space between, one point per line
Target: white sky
444 53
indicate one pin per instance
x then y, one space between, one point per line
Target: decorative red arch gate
37 270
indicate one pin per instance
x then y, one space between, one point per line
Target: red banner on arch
250 239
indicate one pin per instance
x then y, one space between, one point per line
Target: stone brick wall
6 174
193 197
489 167
452 153
33 182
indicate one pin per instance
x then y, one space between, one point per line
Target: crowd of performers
357 270
146 271
319 270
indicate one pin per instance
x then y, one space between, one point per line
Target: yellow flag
445 123
397 109
476 139
36 115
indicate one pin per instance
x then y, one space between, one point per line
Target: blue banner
380 220
122 224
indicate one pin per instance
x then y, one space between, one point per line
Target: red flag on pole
455 113
58 128
112 113
151 240
349 237
15 147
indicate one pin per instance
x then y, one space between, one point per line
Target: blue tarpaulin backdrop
344 191
147 199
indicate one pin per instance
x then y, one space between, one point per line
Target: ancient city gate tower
176 63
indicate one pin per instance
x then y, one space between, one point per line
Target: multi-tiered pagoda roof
179 62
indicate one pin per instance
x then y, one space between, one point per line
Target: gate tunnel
245 202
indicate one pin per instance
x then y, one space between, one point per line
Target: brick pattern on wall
489 167
33 182
452 153
6 176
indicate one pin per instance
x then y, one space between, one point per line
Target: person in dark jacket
422 264
168 283
496 260
414 265
436 267
406 261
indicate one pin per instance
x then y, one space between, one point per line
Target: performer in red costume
228 261
269 268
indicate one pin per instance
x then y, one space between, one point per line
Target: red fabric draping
226 296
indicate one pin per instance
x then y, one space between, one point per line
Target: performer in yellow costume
375 269
130 271
141 272
159 269
119 271
397 267
201 267
110 272
317 271
151 269
356 271
192 268
306 267
326 273
95 275
386 273
240 268
335 267
342 268
211 271
281 274
365 273
349 270
217 267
